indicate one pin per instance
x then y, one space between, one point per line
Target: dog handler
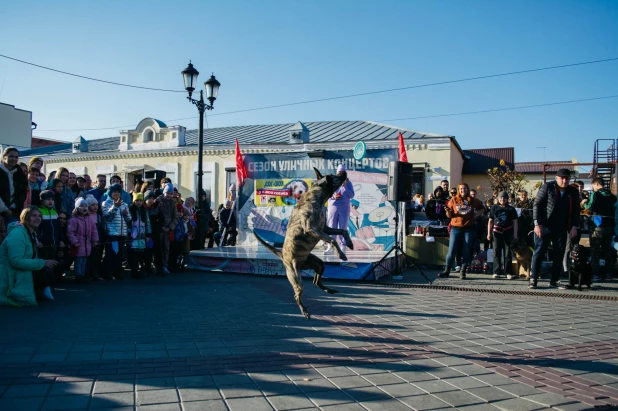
339 206
556 216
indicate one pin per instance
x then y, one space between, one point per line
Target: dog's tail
270 247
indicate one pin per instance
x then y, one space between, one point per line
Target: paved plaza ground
198 341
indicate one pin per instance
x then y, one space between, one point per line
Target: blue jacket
96 193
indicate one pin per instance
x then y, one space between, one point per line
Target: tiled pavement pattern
486 282
198 341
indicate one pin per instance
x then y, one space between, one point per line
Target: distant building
154 148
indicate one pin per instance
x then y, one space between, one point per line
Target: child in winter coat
83 236
93 266
181 232
188 220
34 188
50 233
152 255
140 234
117 223
57 186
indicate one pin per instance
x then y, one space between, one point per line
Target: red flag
241 170
402 149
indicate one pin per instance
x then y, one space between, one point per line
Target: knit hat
91 200
168 188
341 168
79 202
46 194
179 207
115 188
138 196
149 194
503 194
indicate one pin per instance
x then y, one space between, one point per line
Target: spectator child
152 254
50 233
181 232
57 188
93 266
117 221
83 236
34 188
140 234
502 227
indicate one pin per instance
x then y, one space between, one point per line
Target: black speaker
157 175
403 180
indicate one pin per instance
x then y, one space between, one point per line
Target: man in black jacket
601 205
13 185
556 216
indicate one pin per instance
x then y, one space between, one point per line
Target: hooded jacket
167 212
19 261
82 232
116 223
124 196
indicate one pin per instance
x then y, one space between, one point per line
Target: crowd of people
552 217
50 224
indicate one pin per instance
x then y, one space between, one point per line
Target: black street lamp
189 76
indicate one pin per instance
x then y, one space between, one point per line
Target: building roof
479 160
319 132
536 167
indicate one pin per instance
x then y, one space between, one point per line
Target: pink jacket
82 231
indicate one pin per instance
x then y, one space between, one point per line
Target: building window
134 138
174 136
206 185
230 178
124 139
148 136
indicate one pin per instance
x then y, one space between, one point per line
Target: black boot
462 273
445 273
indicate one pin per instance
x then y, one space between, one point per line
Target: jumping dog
307 226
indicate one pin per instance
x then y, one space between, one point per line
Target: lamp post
189 76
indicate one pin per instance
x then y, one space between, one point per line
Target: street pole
201 107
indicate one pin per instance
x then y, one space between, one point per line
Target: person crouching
83 236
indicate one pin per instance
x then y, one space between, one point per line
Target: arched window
148 136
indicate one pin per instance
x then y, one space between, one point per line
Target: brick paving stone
194 381
458 398
232 379
159 407
549 399
434 386
465 383
66 402
364 394
518 404
213 405
30 390
113 399
102 387
383 378
21 403
318 384
157 397
155 383
385 405
401 390
519 389
344 407
289 402
350 382
71 388
576 406
278 387
424 402
199 394
240 390
253 404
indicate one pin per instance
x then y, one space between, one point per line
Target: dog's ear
318 175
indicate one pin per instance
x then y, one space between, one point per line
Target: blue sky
273 52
